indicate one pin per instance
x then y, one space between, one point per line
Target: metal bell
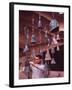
33 39
53 24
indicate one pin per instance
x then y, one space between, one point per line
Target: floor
52 74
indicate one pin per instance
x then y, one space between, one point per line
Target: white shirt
37 73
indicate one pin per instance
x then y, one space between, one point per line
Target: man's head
37 59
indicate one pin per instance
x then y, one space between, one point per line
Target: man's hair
39 56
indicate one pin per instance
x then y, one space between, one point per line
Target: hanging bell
33 53
54 40
33 39
53 24
58 48
47 57
53 61
58 38
39 22
27 36
26 49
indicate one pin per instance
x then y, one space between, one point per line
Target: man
38 69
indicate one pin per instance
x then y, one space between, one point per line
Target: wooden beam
44 15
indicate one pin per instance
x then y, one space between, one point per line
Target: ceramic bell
53 61
26 49
39 22
58 48
33 39
47 57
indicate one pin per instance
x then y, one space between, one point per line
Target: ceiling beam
44 15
